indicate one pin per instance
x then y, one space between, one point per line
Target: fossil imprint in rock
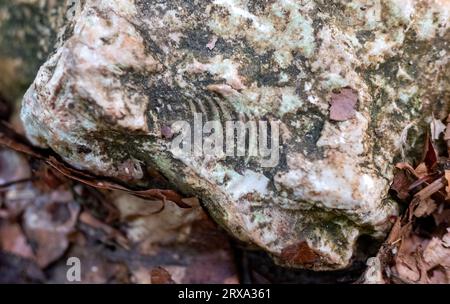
344 80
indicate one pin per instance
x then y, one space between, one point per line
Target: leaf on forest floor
159 275
401 185
415 251
437 254
407 167
47 224
421 170
408 260
13 240
430 155
425 208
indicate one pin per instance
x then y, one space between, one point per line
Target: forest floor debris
50 211
418 247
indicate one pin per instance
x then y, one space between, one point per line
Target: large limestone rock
126 71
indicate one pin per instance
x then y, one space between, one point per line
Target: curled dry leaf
401 184
396 232
407 167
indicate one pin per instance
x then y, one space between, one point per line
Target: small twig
430 189
16 182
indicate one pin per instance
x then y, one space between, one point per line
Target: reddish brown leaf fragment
425 208
299 254
161 276
395 234
408 167
13 240
401 185
431 155
343 104
421 170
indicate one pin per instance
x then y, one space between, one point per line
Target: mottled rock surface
28 33
126 70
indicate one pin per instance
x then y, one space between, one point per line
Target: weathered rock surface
28 33
126 70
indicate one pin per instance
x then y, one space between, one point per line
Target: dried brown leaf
421 170
48 225
408 263
430 155
159 275
401 184
438 253
395 234
13 240
407 167
425 208
299 253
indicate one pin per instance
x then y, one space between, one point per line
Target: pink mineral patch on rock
212 43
